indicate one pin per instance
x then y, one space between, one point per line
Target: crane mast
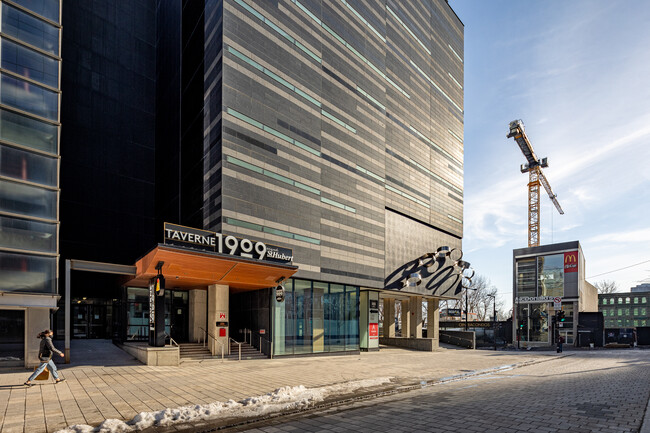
533 167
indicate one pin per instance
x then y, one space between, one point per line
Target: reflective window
526 277
30 63
534 318
551 275
137 314
636 300
620 300
605 313
27 235
28 132
316 317
25 273
29 97
23 165
45 8
27 200
627 300
29 29
303 303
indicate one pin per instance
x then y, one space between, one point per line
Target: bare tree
480 299
606 286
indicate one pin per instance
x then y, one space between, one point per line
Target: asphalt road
593 391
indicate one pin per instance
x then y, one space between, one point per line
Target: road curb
377 394
645 424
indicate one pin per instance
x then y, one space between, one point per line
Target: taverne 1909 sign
210 241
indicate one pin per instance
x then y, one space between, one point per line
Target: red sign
262 331
571 261
222 332
222 315
373 330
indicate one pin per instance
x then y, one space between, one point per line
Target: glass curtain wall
29 145
316 317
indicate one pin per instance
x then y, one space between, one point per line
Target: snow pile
282 399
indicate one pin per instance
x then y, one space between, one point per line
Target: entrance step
197 352
247 352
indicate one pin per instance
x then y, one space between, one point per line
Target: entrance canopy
186 269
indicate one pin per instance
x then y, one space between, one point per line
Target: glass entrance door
176 314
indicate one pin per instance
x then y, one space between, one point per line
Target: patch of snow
285 398
9 358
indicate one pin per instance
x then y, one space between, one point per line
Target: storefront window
137 314
316 317
534 318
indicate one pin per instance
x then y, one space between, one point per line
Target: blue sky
578 74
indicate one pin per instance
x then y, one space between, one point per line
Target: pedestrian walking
45 353
560 341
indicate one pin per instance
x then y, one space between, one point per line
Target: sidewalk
104 382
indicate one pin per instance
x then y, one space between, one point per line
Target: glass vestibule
137 314
316 317
533 321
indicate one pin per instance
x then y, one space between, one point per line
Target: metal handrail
215 340
238 344
172 342
268 341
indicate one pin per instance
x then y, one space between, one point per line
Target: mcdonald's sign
571 261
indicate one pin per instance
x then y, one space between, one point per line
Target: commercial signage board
571 261
373 331
216 242
453 312
279 294
533 299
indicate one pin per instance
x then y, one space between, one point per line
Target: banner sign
216 242
453 312
571 262
534 299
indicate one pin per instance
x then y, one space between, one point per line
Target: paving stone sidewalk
103 382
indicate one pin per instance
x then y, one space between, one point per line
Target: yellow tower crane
535 178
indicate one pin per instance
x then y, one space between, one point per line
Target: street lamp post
494 319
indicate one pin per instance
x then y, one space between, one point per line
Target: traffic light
560 316
521 326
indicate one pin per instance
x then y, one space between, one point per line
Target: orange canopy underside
186 269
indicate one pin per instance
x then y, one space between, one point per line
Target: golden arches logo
570 258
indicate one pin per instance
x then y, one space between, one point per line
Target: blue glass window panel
19 164
303 306
30 64
45 8
352 317
29 97
27 200
27 273
28 132
30 30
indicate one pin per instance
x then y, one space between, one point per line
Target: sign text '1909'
245 246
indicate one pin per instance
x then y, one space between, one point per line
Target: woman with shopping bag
45 353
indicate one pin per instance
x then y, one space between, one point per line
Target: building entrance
12 343
91 319
177 315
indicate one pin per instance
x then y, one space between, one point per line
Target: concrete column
218 299
415 308
389 318
198 312
433 321
36 320
406 317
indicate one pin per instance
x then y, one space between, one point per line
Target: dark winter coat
47 349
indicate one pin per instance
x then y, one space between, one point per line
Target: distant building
625 310
541 275
645 287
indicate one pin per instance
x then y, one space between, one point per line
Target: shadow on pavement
98 353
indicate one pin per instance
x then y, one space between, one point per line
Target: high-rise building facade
334 128
330 130
30 34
